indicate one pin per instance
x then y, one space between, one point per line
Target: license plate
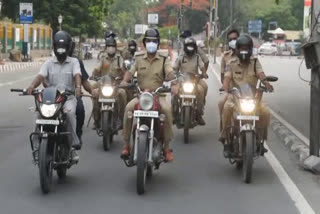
188 96
47 122
106 100
247 117
153 114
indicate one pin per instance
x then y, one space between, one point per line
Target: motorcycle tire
187 121
107 135
62 170
149 172
248 142
45 166
142 162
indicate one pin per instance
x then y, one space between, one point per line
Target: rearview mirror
271 79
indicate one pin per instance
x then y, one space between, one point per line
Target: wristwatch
78 86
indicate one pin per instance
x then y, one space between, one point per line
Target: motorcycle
185 103
109 109
147 149
49 142
245 140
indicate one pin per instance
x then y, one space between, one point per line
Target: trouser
262 124
71 121
204 85
220 106
122 101
200 100
80 113
165 109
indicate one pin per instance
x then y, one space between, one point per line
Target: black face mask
132 49
61 52
244 55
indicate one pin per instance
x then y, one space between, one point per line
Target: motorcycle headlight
48 110
107 91
188 87
146 101
247 105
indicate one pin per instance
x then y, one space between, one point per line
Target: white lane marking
17 81
299 200
296 196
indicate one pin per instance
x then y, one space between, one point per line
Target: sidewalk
19 66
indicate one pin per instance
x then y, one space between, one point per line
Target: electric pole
209 26
215 29
315 81
231 14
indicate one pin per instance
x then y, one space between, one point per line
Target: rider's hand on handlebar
205 76
269 87
30 89
175 89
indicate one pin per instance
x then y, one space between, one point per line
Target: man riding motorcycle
113 65
190 62
63 71
129 52
241 70
152 68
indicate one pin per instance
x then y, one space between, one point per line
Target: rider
190 62
111 64
241 70
232 37
63 70
128 54
152 68
80 112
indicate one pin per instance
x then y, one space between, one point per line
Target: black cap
186 34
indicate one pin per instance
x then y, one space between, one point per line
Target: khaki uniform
192 64
126 54
205 60
114 67
150 74
241 74
227 56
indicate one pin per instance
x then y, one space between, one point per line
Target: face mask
111 50
244 55
151 47
61 50
232 44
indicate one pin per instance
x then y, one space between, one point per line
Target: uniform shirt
241 73
112 66
203 56
187 64
227 55
151 73
126 54
61 75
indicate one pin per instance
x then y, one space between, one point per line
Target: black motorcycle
49 142
244 139
185 103
109 109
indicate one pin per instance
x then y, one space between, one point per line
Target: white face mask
232 44
111 50
190 48
152 47
61 50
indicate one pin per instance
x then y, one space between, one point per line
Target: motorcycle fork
136 141
151 136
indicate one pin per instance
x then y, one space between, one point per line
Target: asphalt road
199 180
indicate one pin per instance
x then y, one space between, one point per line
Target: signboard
140 29
255 26
26 13
306 19
153 18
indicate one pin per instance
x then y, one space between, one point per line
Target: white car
267 49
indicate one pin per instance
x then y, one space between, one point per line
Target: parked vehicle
268 49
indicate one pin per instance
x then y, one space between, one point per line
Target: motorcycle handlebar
16 90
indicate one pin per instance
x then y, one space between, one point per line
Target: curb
18 66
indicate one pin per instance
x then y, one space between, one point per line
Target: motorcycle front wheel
248 142
107 135
45 166
142 162
187 121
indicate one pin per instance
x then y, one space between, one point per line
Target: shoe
75 156
168 155
226 151
125 151
201 121
263 150
96 125
222 140
77 146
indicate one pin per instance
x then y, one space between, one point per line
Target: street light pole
210 25
215 30
60 19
